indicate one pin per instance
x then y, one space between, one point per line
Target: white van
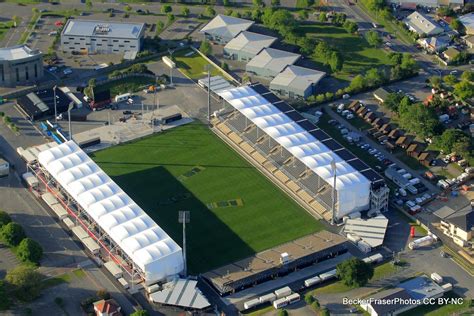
122 97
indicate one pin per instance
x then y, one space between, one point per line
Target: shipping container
252 303
283 292
270 297
279 303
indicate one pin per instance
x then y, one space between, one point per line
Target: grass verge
193 65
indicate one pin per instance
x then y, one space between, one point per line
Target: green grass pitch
151 171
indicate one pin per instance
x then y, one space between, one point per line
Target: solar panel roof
307 125
259 88
295 116
283 106
372 175
345 154
270 97
320 134
332 144
357 164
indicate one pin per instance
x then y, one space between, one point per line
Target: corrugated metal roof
181 292
297 77
103 29
250 42
273 59
371 230
226 26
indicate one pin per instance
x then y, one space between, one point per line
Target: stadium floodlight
55 107
70 107
184 217
333 167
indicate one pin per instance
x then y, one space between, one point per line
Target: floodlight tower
333 167
184 217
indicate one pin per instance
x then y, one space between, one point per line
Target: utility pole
55 108
184 217
209 95
71 106
333 167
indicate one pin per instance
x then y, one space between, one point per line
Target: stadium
255 183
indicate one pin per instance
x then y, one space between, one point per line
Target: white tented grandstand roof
147 245
352 186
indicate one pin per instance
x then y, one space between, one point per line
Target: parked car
67 71
346 96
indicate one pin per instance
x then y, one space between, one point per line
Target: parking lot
180 29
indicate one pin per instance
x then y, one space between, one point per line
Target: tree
467 75
395 58
450 80
456 25
26 282
35 10
245 78
185 12
140 312
303 15
159 26
373 77
309 299
335 61
408 64
257 3
275 3
357 84
375 5
89 4
103 294
4 218
170 18
447 141
282 312
373 38
5 301
435 82
304 4
128 8
210 12
323 17
464 90
29 250
138 69
354 272
324 312
166 8
16 20
350 27
306 45
12 233
205 48
393 101
226 3
418 119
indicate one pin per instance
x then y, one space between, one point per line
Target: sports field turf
188 168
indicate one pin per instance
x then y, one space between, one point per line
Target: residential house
458 225
370 116
247 45
468 21
386 128
296 82
403 142
107 308
395 133
378 122
414 150
412 4
222 29
469 40
362 111
434 44
381 94
425 158
422 24
390 145
354 105
450 54
270 62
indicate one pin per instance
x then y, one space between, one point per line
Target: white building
296 82
20 65
88 37
468 21
222 29
422 24
270 62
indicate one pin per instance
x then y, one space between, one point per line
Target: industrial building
300 156
20 65
296 82
277 261
115 224
101 37
39 104
270 62
222 29
422 24
247 45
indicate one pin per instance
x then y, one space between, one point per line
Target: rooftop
467 20
421 287
250 42
226 26
422 24
462 218
181 292
391 294
17 52
297 77
451 52
103 29
273 59
371 230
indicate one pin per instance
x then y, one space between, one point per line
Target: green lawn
442 310
383 271
194 66
409 161
189 168
358 55
125 85
4 27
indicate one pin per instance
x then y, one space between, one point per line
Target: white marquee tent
353 187
147 245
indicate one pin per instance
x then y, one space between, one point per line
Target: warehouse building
20 65
247 45
39 104
301 156
270 62
89 37
222 29
422 24
119 226
296 82
277 261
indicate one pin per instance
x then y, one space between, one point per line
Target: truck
283 292
4 168
328 275
312 281
122 97
252 303
422 242
436 277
